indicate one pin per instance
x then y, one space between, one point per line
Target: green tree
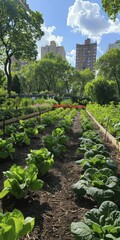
100 90
80 80
16 84
19 31
2 78
111 7
108 66
53 72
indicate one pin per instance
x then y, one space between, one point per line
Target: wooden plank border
107 135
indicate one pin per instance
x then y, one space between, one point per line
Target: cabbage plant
6 148
99 184
99 224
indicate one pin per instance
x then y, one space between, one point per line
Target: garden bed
55 206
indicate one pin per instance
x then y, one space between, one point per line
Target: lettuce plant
99 224
42 158
13 226
31 131
20 180
99 184
6 148
20 139
56 142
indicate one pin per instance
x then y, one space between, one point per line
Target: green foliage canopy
109 66
19 31
111 7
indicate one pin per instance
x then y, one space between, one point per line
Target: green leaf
81 231
36 185
27 226
97 228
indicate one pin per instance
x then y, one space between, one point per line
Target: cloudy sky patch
86 17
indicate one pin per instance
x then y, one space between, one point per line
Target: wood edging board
107 135
16 119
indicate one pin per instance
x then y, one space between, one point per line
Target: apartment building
53 48
114 45
86 55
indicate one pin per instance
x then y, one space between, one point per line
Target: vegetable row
99 183
20 180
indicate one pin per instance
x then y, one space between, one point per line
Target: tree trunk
7 69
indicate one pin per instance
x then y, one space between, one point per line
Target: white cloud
70 56
85 17
48 36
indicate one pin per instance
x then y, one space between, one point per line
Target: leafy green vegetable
42 158
20 180
99 184
6 148
98 161
13 225
102 223
21 139
56 142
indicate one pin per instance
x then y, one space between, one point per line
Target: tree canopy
108 66
52 73
19 31
100 90
111 7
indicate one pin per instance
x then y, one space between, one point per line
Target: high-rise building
114 45
52 48
86 55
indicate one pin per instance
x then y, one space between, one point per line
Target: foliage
20 29
20 138
108 116
42 158
13 225
52 73
56 142
98 161
100 184
100 90
111 7
81 78
16 84
6 148
20 180
99 224
109 67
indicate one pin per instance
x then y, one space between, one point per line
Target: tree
52 72
16 84
80 80
100 90
2 78
111 7
19 31
109 66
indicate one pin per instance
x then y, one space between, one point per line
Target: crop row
100 183
19 180
108 116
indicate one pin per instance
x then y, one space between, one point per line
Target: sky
70 22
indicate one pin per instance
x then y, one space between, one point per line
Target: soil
55 206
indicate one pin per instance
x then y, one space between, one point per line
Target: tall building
86 55
114 45
52 48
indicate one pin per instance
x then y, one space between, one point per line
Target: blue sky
69 22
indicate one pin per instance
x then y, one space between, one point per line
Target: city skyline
71 22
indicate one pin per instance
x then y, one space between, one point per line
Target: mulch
55 206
